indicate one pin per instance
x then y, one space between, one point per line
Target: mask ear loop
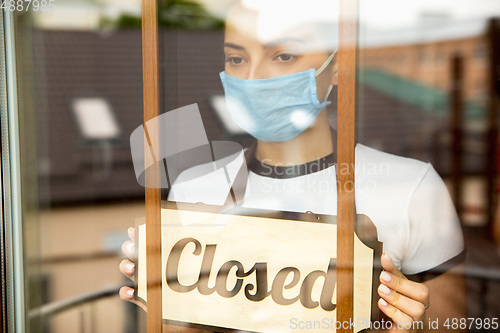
330 87
322 68
326 63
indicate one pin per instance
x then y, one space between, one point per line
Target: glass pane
247 134
427 86
79 83
248 93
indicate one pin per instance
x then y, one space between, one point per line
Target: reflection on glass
425 76
80 74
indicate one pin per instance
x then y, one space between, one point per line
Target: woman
280 68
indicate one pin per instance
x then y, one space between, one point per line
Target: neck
312 144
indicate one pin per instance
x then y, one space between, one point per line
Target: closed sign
253 273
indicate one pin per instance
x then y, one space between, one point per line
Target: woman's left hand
402 300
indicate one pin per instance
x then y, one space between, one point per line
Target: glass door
269 126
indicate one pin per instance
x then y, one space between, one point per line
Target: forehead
314 22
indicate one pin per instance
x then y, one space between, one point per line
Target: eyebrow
234 46
267 45
283 41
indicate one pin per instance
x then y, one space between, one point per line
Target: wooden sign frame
190 300
347 56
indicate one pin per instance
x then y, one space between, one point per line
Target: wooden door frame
346 133
347 56
152 194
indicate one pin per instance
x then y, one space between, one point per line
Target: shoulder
385 184
388 172
366 157
410 205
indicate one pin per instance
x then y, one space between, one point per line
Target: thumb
389 266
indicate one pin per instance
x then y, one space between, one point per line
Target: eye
236 60
286 57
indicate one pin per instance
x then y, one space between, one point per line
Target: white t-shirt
406 200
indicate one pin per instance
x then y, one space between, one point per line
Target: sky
393 14
376 14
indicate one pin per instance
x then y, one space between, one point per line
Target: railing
55 316
70 303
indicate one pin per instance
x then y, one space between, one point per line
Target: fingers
400 319
128 248
389 266
127 267
127 294
401 299
395 280
413 309
131 233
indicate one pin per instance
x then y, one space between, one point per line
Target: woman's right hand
127 267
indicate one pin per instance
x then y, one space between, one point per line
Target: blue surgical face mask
275 109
